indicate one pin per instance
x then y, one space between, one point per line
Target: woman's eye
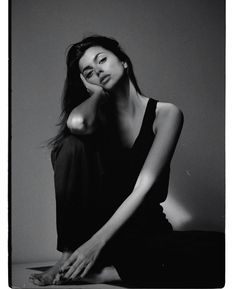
89 74
102 60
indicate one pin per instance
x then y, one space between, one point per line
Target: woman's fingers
68 262
70 265
86 270
81 260
63 269
91 88
78 267
83 79
73 268
85 82
56 279
77 271
64 266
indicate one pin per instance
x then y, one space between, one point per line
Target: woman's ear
125 65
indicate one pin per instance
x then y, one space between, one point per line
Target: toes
56 279
34 275
37 282
40 280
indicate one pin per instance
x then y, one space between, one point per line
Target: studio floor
196 260
21 272
20 278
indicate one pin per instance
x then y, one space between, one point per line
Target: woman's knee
75 150
72 144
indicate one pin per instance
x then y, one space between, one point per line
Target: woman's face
101 67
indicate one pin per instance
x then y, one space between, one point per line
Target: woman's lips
105 79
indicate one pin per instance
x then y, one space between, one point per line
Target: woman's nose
98 70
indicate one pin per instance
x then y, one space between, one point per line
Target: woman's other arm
82 119
167 127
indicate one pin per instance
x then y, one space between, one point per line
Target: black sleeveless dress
146 251
143 236
121 167
93 176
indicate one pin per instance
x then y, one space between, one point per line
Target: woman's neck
125 98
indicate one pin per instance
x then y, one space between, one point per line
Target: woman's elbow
76 124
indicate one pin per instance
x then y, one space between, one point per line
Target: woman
111 161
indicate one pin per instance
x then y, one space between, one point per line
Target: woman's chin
108 85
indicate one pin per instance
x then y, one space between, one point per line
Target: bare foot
46 278
106 275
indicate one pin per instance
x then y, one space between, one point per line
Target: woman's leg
77 181
76 177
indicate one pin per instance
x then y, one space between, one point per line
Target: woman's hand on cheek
92 88
82 260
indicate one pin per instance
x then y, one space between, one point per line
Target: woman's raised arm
82 119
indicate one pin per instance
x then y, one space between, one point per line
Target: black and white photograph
117 144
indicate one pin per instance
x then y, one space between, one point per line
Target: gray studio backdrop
177 48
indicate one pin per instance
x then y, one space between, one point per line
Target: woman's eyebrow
96 56
94 59
86 68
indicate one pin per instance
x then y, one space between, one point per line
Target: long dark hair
74 92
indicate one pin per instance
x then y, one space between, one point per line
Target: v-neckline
141 128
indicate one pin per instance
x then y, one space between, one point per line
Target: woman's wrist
100 238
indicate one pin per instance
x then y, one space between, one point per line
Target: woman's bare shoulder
166 107
166 110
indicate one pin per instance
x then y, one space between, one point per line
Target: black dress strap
146 134
150 114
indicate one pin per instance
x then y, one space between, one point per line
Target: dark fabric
190 259
77 179
122 167
93 175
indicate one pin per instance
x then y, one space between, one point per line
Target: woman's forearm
125 211
160 154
